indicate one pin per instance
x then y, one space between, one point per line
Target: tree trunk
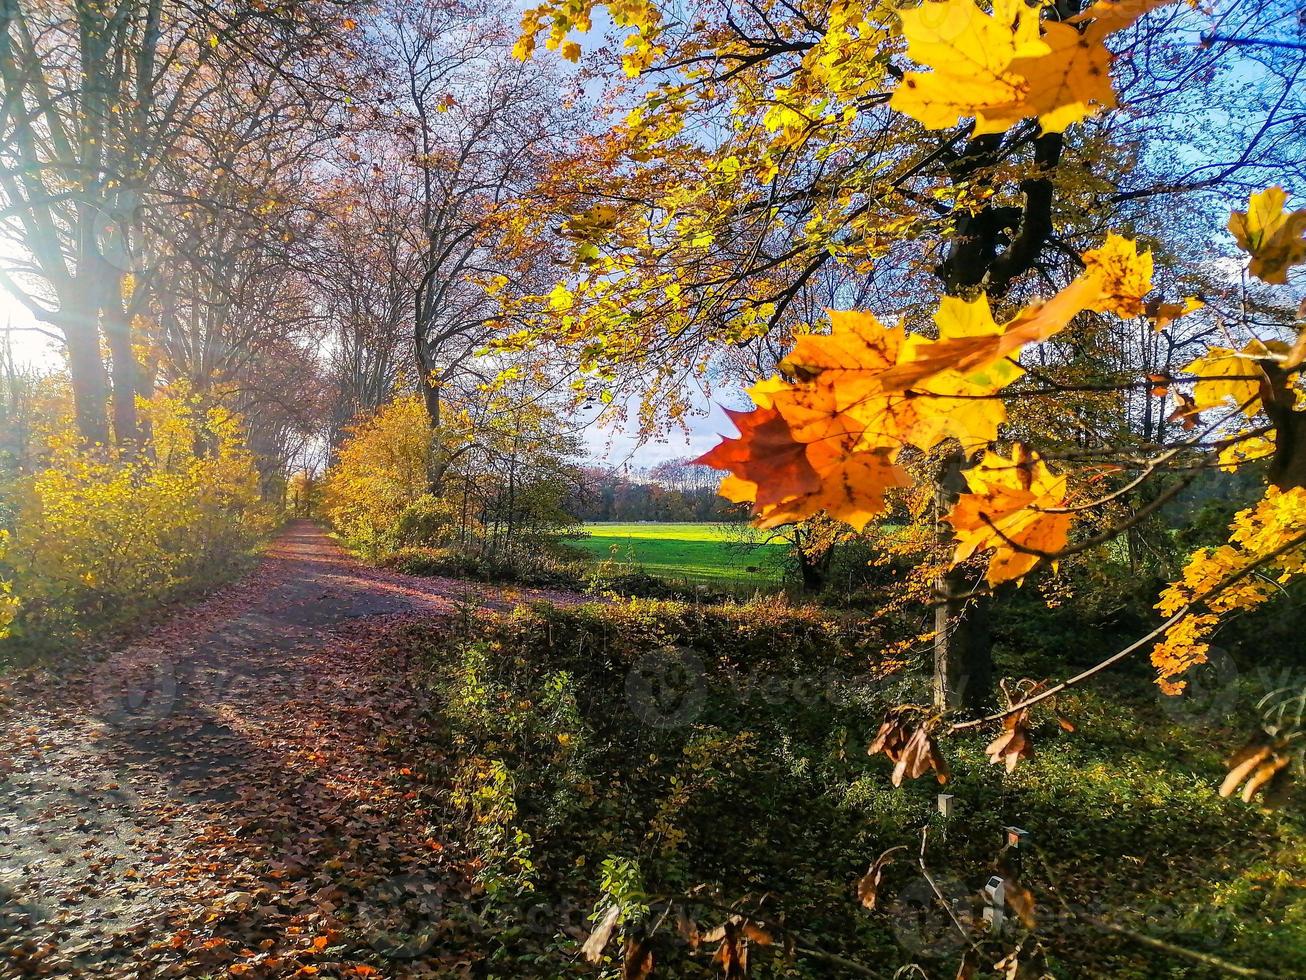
990 250
1288 467
963 653
813 577
85 366
125 372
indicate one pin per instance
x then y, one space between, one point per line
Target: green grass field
708 553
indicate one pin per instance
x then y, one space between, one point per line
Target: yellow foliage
831 439
1006 510
1001 68
1268 538
100 533
1226 376
8 601
1275 239
383 467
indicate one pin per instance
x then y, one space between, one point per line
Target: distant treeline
675 490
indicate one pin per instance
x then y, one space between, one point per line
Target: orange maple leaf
767 464
1007 511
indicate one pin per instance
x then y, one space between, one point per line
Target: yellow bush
100 533
382 468
8 601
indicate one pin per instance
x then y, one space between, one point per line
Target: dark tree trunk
811 573
963 652
991 249
1288 467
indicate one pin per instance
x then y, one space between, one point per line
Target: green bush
540 569
428 521
658 749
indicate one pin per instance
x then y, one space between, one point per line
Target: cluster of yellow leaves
1268 538
382 468
829 440
1275 239
561 19
100 531
8 601
1003 67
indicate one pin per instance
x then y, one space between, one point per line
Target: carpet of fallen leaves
242 791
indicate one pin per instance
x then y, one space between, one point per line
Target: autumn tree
365 262
101 101
776 153
465 128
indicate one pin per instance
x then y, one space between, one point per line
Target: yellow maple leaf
1006 511
973 355
953 403
1001 68
840 393
969 52
1225 375
1275 239
857 343
1122 273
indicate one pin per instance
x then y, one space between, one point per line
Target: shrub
428 521
102 534
8 601
383 468
536 568
719 752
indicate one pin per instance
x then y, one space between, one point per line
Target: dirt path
235 793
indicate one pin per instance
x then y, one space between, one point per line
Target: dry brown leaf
1014 743
1264 775
598 940
912 757
732 954
891 739
638 961
1186 412
1257 767
687 928
713 935
868 885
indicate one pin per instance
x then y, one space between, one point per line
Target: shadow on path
235 792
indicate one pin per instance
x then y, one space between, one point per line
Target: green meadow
713 554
